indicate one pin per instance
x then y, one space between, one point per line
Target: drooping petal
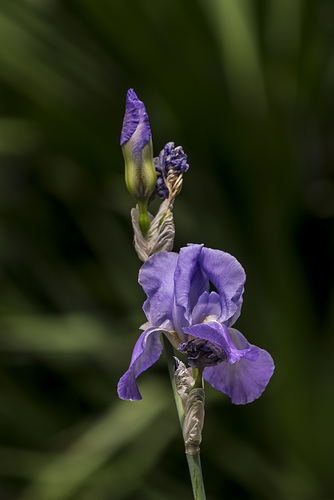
219 334
189 283
245 380
228 276
146 352
156 277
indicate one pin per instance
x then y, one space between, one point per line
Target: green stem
144 221
195 469
197 374
194 461
169 350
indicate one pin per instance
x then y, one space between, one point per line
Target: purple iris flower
198 322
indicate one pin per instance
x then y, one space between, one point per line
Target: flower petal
228 276
156 277
219 334
245 380
135 120
207 305
190 283
202 353
146 352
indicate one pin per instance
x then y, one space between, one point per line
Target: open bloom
198 322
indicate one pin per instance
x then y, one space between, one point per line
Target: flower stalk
193 458
180 307
169 351
195 469
144 221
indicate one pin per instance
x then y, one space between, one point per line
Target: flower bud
170 166
136 143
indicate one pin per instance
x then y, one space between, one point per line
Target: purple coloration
161 188
202 353
179 302
145 353
136 124
171 160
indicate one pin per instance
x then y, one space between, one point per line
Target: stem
144 221
194 461
169 350
195 469
197 374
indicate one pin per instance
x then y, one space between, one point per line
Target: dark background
246 87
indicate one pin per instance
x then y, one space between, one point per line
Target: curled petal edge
146 352
245 380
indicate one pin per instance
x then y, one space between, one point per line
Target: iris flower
182 304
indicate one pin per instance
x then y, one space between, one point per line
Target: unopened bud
136 143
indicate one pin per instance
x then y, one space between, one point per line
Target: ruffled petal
219 334
245 380
228 276
146 352
156 277
136 124
189 283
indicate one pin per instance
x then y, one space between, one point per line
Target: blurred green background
246 87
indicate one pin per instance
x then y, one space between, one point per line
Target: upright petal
189 283
245 380
228 276
146 352
156 277
208 305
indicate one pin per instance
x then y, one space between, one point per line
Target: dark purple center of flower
202 353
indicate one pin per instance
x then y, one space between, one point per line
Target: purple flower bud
161 188
173 158
136 142
172 162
